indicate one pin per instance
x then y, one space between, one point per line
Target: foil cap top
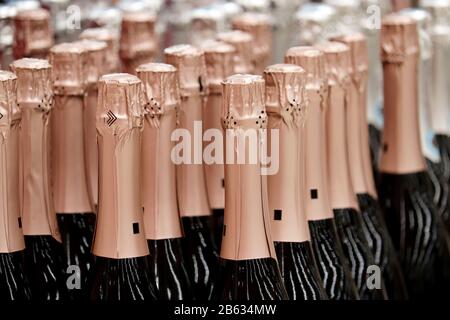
161 92
9 111
359 54
119 106
99 34
70 72
338 67
244 102
399 38
96 59
312 60
33 33
34 83
285 92
190 62
219 59
111 40
259 25
137 36
242 42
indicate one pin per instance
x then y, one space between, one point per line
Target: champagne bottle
437 165
361 174
437 82
249 268
121 270
13 282
44 252
73 197
374 114
219 65
259 25
333 268
138 42
343 198
406 195
96 66
111 40
286 106
199 249
33 34
243 43
161 218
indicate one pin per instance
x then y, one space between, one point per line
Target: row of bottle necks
360 251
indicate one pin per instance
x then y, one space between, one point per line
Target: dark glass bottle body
217 226
44 268
334 271
13 281
122 279
77 231
299 271
380 244
199 250
357 252
417 233
440 177
253 279
167 265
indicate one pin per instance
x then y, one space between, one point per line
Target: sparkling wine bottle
73 197
95 67
249 268
333 268
343 198
44 252
121 270
437 83
198 245
259 25
161 218
138 42
33 34
13 282
286 105
243 44
407 196
219 65
374 226
111 40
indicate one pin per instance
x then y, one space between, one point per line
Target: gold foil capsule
243 44
33 35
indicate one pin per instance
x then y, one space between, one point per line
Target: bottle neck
365 146
70 176
354 144
375 91
317 198
401 152
119 232
37 201
190 173
215 174
11 236
246 232
159 195
342 195
286 188
429 149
